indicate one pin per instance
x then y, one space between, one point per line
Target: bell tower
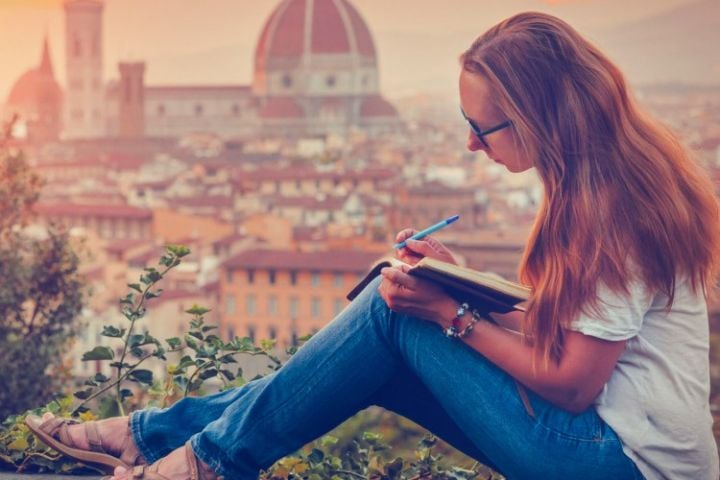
85 92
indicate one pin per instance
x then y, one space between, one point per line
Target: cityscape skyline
223 37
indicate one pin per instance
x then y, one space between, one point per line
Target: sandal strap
58 428
130 455
147 472
93 436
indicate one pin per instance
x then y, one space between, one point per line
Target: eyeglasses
479 133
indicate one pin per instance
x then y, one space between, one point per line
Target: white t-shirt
657 398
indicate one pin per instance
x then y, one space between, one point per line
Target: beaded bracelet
453 330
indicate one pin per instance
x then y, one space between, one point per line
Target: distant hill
679 46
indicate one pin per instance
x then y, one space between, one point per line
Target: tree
41 291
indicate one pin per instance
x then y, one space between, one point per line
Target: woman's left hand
416 297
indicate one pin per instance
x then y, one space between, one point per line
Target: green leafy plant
203 356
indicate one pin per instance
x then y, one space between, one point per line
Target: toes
120 472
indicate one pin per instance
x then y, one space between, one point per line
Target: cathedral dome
37 98
315 47
36 86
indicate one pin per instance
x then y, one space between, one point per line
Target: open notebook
485 291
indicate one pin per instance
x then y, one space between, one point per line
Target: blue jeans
370 355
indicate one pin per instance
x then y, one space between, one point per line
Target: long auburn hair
622 198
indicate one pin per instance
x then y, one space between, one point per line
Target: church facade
315 74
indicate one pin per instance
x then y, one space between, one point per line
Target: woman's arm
571 384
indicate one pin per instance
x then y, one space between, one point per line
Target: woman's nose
473 142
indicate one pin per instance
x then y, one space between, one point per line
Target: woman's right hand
415 250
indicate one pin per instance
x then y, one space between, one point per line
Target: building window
235 110
77 47
272 331
315 279
250 306
230 305
199 110
315 307
229 276
287 81
293 277
230 332
251 333
271 277
272 307
250 275
293 307
338 306
161 110
330 81
338 279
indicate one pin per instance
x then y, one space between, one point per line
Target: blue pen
424 233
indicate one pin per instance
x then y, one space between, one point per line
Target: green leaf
173 342
198 310
209 373
328 441
177 250
100 378
135 286
316 456
228 374
20 444
142 376
191 342
186 361
228 358
181 381
113 332
125 393
197 335
98 353
83 394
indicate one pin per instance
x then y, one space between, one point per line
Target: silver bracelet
453 331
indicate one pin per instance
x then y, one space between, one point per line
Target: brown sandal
54 433
150 472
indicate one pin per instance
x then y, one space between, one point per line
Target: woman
614 356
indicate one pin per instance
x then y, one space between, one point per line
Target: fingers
403 234
399 277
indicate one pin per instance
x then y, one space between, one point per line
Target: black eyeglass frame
479 133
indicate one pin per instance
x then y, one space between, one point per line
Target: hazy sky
213 41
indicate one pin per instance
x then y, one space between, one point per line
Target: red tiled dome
36 87
282 107
332 26
376 106
299 27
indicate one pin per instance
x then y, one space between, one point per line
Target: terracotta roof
309 203
336 261
376 106
282 107
215 201
120 246
229 240
103 211
160 89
